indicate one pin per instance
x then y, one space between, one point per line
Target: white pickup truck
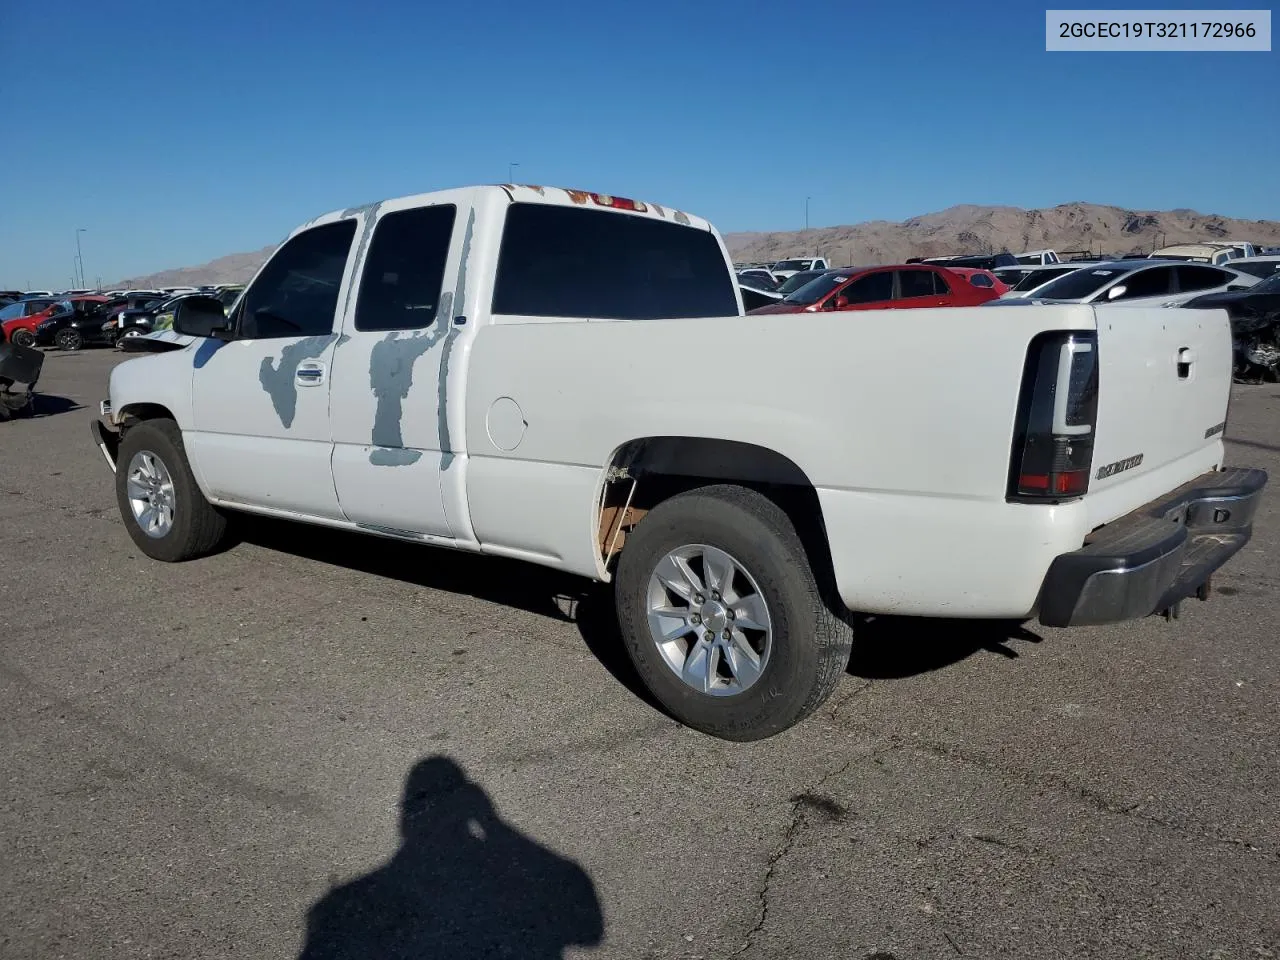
567 378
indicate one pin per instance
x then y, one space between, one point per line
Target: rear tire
68 339
23 338
799 658
152 474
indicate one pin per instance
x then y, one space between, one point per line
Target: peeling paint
536 189
370 212
578 196
458 300
393 456
277 378
391 378
204 353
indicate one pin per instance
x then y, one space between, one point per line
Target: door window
296 295
870 289
915 283
400 288
1146 283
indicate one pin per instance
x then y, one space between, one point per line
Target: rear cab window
559 261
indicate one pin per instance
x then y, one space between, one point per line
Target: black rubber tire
68 339
23 338
811 643
198 527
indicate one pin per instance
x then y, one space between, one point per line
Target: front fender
154 380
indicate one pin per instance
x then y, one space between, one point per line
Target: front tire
724 617
166 515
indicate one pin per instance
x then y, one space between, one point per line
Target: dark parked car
140 322
981 262
62 329
1255 328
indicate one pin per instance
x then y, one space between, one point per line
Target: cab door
392 442
260 402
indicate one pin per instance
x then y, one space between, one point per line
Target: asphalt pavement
323 745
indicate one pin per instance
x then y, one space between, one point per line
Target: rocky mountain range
973 229
961 229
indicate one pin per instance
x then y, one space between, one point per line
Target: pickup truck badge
1111 469
1216 429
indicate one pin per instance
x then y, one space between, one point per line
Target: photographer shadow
463 884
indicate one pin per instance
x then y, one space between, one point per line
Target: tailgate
1164 382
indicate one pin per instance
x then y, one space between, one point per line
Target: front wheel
166 515
724 617
22 338
69 340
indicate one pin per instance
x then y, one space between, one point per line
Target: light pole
511 176
79 255
806 212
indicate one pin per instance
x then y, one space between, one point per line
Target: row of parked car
1248 288
72 321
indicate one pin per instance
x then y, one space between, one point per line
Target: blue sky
177 132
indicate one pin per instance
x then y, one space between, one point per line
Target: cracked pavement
195 755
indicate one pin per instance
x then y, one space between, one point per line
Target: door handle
310 373
1186 357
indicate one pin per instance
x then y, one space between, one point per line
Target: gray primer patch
458 300
393 456
370 211
391 378
277 377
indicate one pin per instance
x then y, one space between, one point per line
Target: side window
915 283
940 286
1146 283
403 273
981 280
870 289
1201 278
574 262
296 295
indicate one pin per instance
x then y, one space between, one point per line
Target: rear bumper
1164 552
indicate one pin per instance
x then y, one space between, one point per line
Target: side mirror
839 303
201 317
1117 291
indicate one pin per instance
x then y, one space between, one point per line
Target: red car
19 326
896 287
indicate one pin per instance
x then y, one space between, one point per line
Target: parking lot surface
324 745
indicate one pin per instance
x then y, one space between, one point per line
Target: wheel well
137 412
643 473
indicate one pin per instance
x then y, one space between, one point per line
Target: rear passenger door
872 291
920 288
391 438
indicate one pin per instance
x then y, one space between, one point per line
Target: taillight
1057 415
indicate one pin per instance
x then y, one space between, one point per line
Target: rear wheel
166 515
68 339
22 338
724 616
